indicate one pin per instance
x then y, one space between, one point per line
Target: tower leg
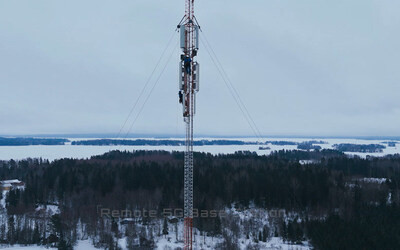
188 233
188 184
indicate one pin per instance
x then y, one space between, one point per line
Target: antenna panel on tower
181 75
196 36
196 76
182 32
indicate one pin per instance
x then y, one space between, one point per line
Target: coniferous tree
11 234
36 234
165 227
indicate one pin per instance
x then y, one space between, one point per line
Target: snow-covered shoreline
81 152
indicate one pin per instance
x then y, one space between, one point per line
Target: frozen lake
80 152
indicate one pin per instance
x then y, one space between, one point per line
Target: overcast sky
310 67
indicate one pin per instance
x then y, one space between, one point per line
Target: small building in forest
8 185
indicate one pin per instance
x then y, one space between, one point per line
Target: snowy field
81 152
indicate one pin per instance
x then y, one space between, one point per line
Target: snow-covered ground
85 245
80 152
81 245
3 200
203 241
169 242
18 247
50 209
374 180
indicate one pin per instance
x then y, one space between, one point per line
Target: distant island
292 143
30 141
308 145
359 148
390 143
305 145
282 143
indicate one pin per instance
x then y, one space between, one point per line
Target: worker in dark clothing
180 96
187 64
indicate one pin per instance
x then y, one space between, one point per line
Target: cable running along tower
188 87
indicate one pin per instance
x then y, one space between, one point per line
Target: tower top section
189 32
189 10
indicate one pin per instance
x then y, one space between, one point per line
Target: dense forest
337 202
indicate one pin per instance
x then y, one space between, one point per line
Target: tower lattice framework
188 87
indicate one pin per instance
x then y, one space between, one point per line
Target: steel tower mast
188 87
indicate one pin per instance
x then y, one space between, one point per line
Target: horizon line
149 136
